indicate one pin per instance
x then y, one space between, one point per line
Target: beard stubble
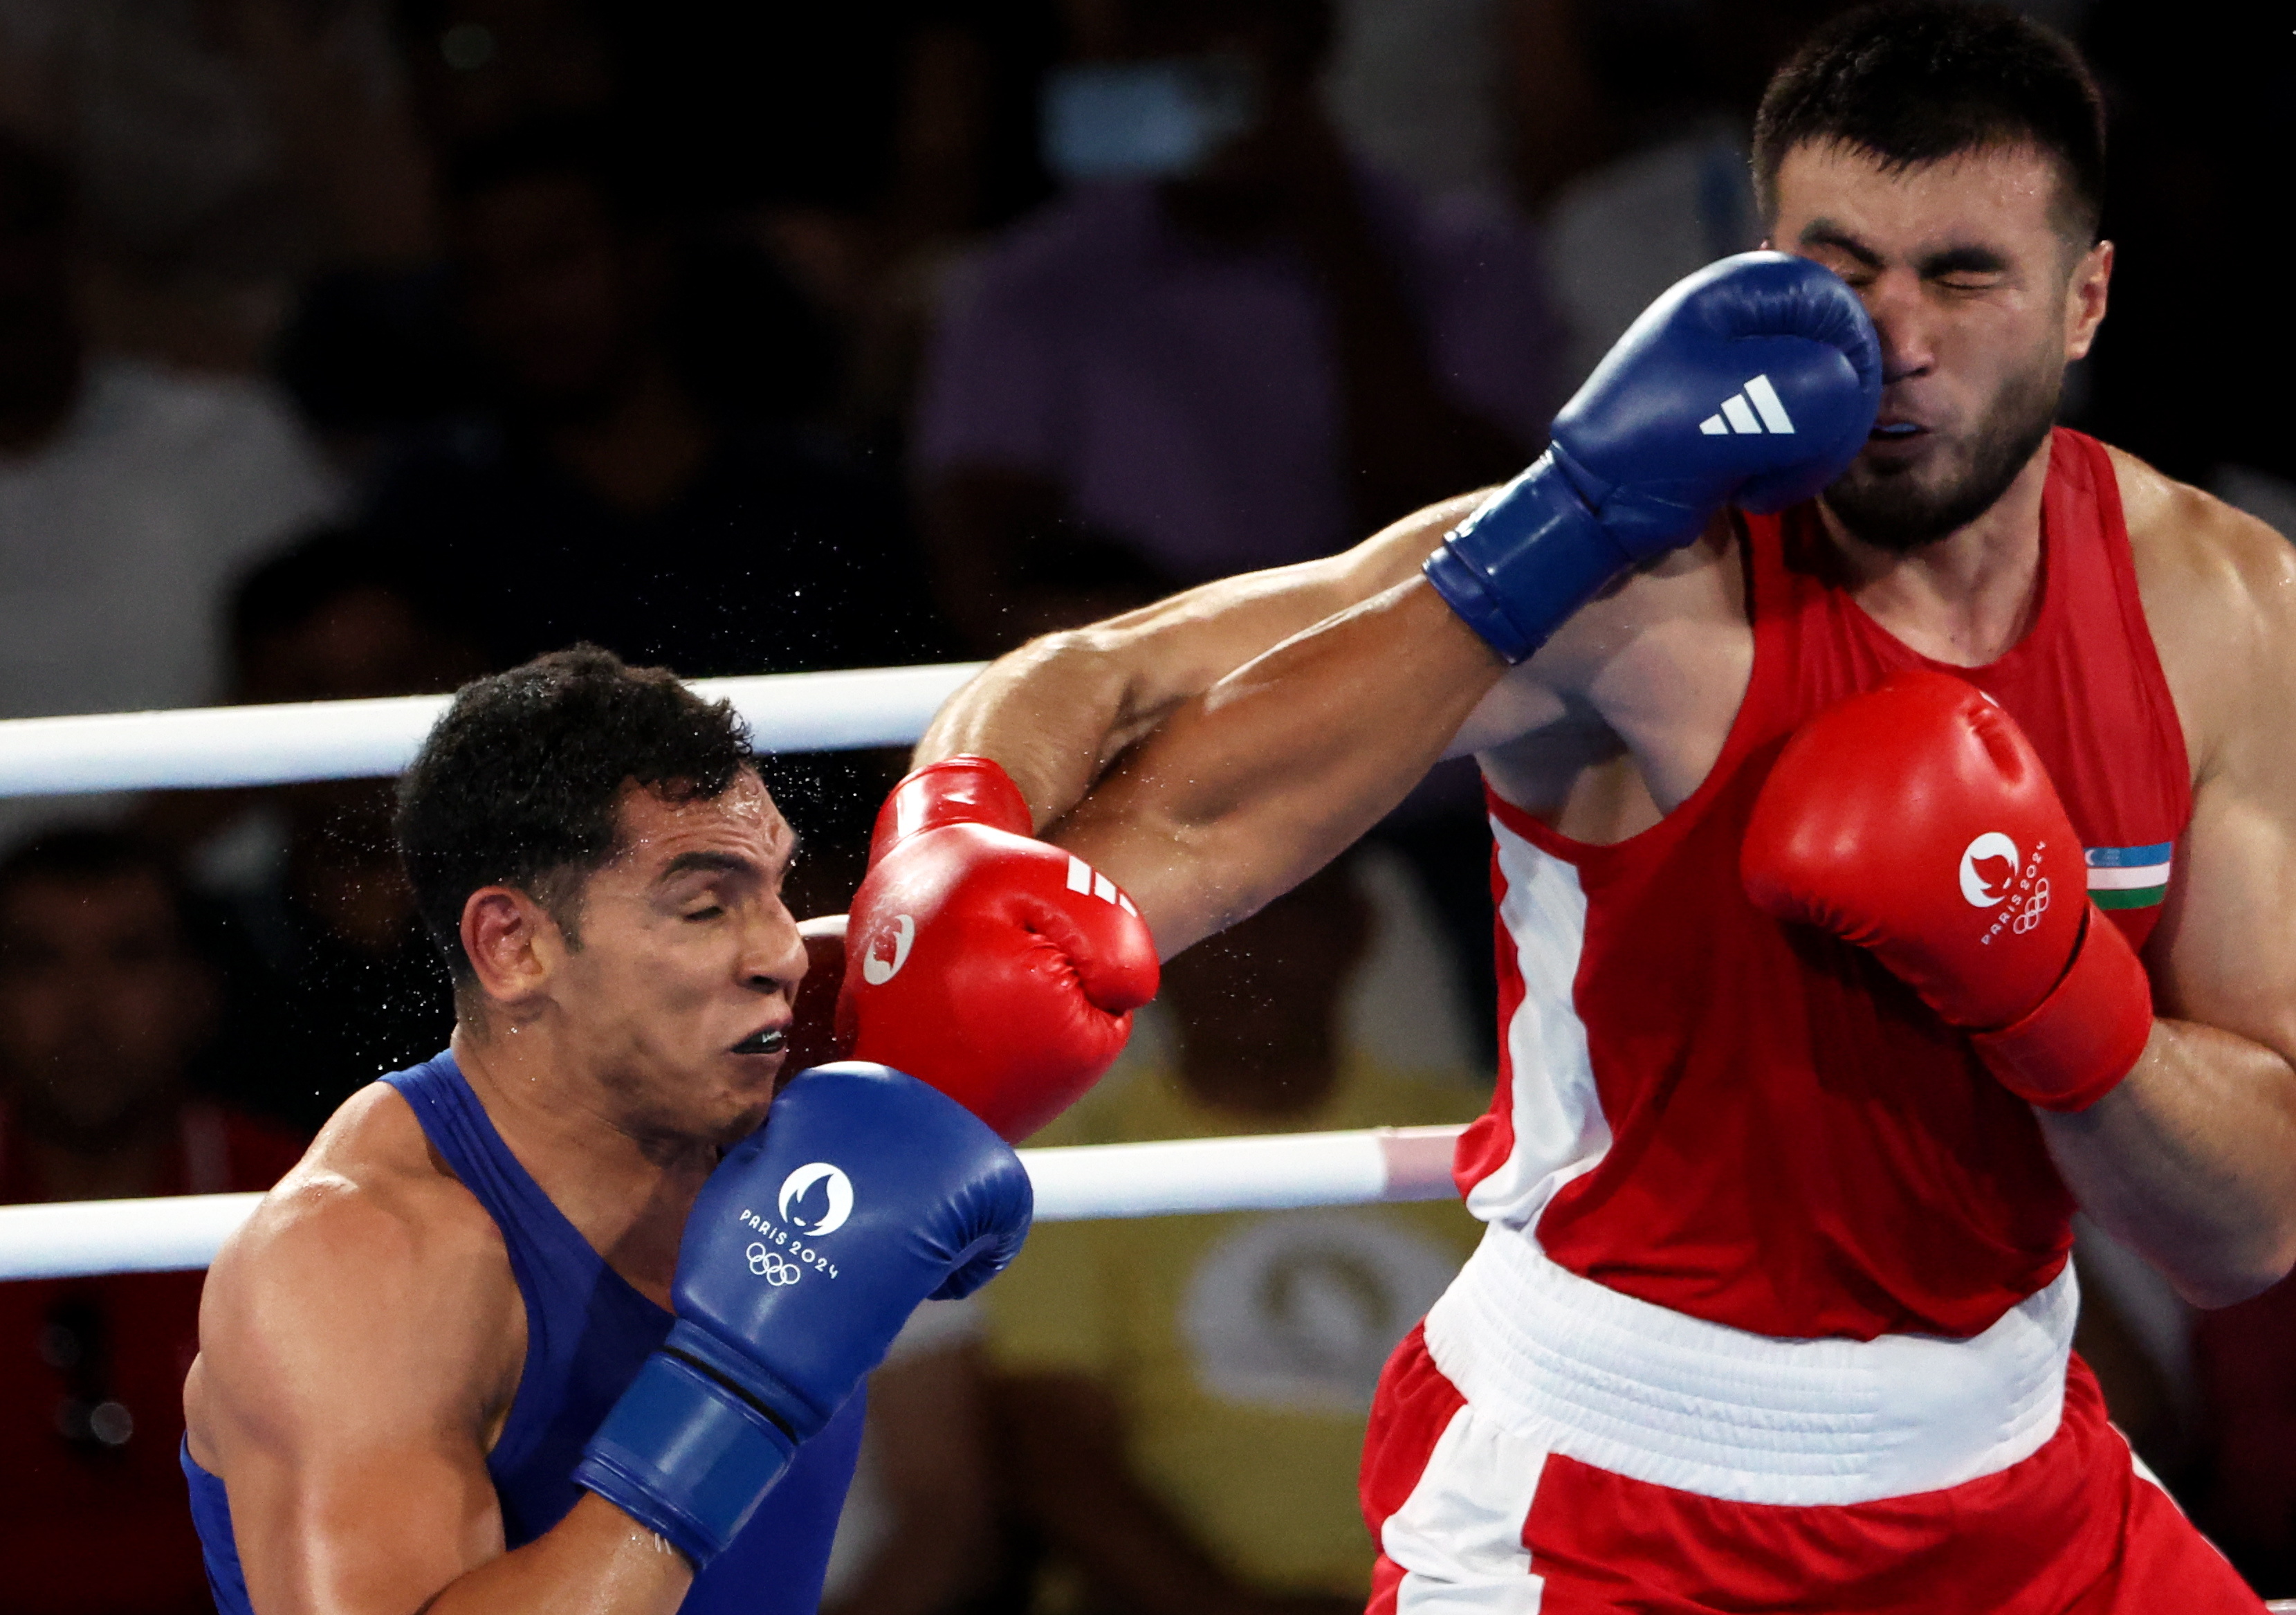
1888 507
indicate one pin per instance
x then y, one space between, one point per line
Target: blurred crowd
354 347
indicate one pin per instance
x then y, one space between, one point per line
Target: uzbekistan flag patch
2128 877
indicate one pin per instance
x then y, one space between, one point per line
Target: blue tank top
586 1333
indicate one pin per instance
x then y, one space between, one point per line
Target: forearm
1249 788
597 1561
1056 712
2192 1160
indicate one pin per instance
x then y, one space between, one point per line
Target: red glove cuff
2078 1042
960 789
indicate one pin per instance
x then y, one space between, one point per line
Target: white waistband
1658 1396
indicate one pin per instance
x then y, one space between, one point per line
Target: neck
1967 599
627 1192
641 452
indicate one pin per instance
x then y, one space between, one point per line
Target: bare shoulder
2204 555
2219 594
368 1268
1665 649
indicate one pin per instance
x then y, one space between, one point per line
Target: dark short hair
85 854
519 783
1914 82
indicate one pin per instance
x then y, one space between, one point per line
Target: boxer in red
1879 879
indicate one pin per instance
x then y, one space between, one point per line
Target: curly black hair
518 781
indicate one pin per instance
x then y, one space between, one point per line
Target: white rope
277 745
79 1238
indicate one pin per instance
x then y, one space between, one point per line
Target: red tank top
1752 1122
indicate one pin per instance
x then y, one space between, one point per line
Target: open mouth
1894 431
764 1040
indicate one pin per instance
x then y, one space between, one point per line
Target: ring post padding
81 1237
298 741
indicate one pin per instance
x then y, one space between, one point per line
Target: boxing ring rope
82 1238
341 740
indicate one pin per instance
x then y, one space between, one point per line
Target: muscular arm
1056 712
2192 1159
1250 787
353 1357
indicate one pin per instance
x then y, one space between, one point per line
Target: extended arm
1056 712
2192 1159
1263 769
1249 788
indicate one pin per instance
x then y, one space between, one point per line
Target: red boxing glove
813 1020
1916 820
995 966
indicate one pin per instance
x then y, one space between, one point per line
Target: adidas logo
1085 878
1738 416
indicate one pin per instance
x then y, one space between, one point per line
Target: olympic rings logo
772 1266
2035 907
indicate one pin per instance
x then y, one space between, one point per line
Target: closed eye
711 913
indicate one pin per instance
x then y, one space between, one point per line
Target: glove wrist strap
2077 1044
685 1455
1528 558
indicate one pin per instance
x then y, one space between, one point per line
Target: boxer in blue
550 1322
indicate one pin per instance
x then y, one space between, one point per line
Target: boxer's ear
512 944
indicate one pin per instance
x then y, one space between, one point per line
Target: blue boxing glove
1755 380
865 1193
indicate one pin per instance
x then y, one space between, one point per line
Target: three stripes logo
1083 878
1753 409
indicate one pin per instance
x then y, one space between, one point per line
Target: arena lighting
335 739
79 1239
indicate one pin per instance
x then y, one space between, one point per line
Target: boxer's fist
1916 820
998 968
864 1194
1755 380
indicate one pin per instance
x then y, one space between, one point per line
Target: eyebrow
721 863
1948 260
1826 233
1962 260
711 863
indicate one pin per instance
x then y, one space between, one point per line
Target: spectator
103 1004
619 491
352 985
1186 1396
127 494
223 149
1251 355
605 495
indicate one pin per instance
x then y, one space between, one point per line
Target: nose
1893 301
774 956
